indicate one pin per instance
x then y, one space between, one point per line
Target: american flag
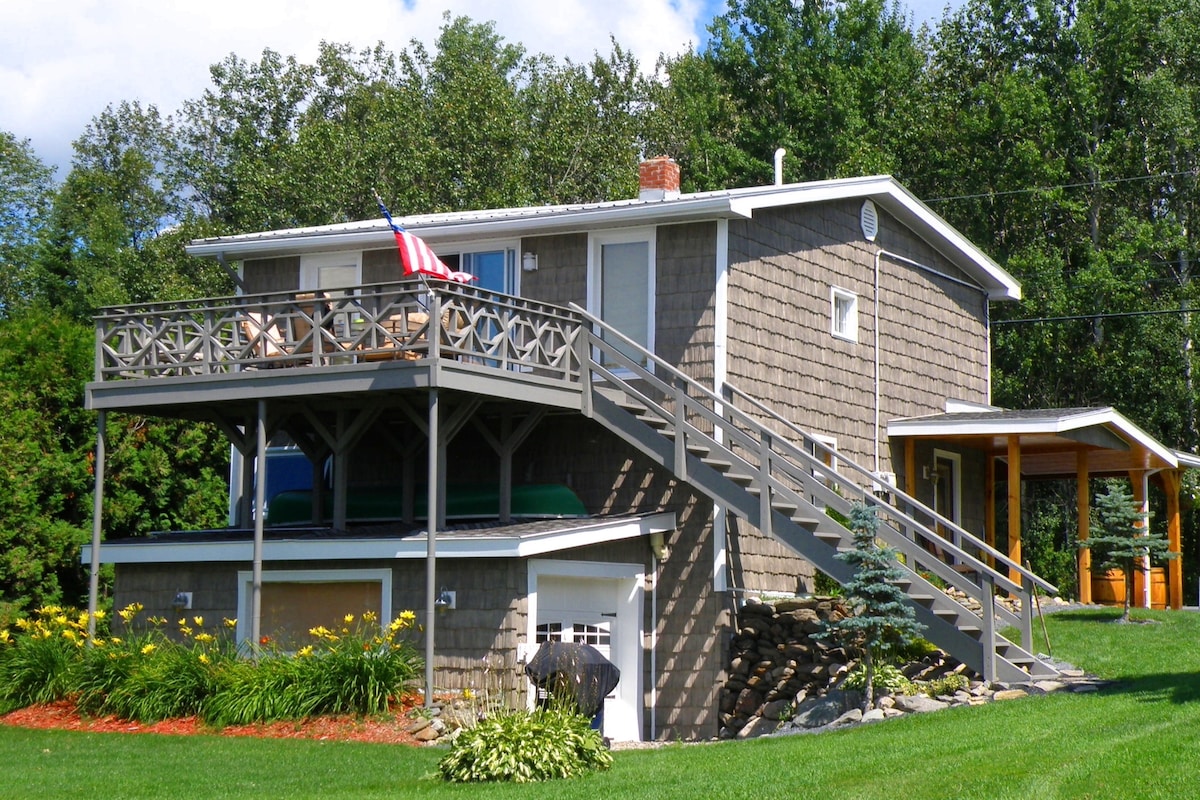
416 256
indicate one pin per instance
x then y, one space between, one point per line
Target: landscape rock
1010 694
918 703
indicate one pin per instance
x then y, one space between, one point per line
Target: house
639 413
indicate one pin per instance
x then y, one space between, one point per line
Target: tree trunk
869 689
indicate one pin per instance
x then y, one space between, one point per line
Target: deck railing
360 324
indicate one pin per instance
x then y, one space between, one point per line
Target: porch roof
459 540
1049 439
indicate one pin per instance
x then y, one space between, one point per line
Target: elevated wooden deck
190 358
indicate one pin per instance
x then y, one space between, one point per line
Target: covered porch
1059 444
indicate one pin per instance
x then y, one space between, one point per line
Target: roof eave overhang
737 203
434 232
1066 426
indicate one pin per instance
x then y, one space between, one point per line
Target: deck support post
260 500
97 508
433 505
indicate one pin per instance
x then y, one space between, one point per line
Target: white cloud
60 68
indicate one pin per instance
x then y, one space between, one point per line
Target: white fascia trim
534 224
887 192
1049 423
450 544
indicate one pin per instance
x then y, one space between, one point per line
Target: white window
330 270
621 285
494 264
844 312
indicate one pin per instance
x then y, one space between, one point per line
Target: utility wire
1060 186
1113 315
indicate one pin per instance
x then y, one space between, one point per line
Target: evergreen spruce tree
1123 541
882 618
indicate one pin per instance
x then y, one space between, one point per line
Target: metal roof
463 226
461 540
1049 438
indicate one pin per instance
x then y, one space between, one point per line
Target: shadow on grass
1177 687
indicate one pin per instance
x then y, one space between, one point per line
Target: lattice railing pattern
359 324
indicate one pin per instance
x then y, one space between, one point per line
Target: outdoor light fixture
182 601
445 601
529 262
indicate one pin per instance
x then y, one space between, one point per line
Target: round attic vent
869 219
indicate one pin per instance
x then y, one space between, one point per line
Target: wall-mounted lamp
182 601
658 544
446 600
529 262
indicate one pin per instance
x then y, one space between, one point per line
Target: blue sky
60 67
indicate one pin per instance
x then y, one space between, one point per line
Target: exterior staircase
758 466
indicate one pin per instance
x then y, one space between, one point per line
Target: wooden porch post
97 518
1139 479
1171 487
1084 516
989 505
1014 505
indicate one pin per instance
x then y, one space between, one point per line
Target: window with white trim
295 601
621 286
494 264
844 314
323 271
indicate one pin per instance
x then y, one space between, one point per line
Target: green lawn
1138 739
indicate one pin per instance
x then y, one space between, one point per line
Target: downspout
654 646
875 352
879 254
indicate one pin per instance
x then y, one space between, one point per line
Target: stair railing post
987 604
680 414
583 353
1027 611
764 478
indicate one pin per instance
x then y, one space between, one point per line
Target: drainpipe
654 646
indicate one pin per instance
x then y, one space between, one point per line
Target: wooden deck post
1084 515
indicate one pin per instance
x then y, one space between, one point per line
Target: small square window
844 310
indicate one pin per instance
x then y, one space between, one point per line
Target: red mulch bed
381 730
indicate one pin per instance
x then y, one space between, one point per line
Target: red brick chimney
658 179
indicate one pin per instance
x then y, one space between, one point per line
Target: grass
1137 739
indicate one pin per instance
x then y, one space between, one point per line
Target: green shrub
945 685
357 670
39 664
148 675
887 679
525 746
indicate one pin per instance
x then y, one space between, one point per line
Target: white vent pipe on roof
779 166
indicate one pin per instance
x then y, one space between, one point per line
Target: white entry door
603 613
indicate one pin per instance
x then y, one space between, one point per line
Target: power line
1087 184
1089 317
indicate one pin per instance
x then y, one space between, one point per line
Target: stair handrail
596 341
960 532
